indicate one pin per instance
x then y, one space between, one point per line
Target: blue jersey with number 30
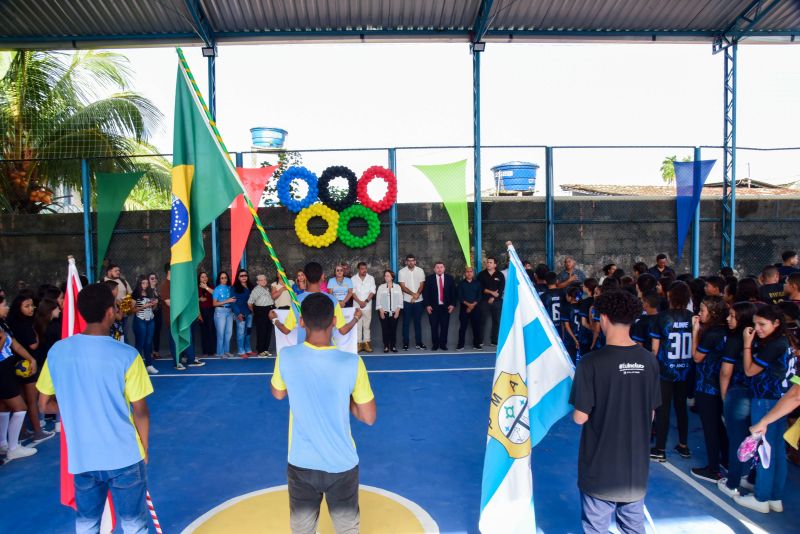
673 330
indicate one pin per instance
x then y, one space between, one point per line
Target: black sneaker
197 363
422 346
405 347
460 347
478 347
658 455
704 473
683 450
434 348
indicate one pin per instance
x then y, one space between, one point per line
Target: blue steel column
729 161
393 259
696 222
477 226
86 193
549 222
212 108
243 261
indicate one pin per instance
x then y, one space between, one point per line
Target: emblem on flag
180 220
508 415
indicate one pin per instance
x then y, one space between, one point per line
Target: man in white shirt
363 293
412 281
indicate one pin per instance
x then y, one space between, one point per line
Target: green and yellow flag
204 183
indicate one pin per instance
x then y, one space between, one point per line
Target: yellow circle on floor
267 511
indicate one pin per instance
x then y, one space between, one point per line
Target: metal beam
201 22
212 108
481 20
696 222
86 196
741 26
477 224
393 247
729 159
549 222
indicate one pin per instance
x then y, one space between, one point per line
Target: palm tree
52 114
668 168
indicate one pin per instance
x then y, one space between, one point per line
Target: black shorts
9 381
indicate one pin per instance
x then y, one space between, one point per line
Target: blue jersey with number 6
673 330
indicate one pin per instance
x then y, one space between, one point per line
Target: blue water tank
264 137
515 176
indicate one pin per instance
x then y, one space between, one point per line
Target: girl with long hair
769 361
144 320
241 311
207 331
709 336
158 313
734 388
12 405
222 300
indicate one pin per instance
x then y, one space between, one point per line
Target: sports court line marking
381 371
401 354
749 525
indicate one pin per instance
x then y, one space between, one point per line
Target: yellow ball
23 369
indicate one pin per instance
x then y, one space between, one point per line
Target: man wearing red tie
440 296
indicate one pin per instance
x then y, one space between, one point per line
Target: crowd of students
726 347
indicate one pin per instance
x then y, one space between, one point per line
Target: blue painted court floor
217 433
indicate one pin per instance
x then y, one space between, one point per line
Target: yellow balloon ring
267 511
318 241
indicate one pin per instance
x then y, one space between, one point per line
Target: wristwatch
275 320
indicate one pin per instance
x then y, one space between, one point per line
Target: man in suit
440 297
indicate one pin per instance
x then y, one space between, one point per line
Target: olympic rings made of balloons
317 241
357 211
391 188
285 185
325 193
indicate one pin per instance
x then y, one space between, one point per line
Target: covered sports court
218 459
218 440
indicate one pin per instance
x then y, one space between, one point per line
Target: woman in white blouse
389 302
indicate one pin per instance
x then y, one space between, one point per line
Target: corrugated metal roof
92 22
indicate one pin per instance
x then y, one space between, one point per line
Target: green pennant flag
112 191
450 182
204 184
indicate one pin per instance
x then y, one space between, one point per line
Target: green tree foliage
285 160
668 168
56 108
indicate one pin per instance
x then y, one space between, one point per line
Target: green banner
450 181
112 192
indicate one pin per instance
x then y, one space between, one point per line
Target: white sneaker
750 501
743 483
151 370
20 452
4 448
776 506
180 367
722 485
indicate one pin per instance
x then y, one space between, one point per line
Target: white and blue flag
532 382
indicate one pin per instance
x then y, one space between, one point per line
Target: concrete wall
595 230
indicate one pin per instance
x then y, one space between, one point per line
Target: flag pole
272 254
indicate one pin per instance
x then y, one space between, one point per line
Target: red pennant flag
73 323
254 180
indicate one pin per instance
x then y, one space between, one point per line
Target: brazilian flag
204 183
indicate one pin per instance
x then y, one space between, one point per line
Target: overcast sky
381 95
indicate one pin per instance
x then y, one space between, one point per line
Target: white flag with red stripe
72 323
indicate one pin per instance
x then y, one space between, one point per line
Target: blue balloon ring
285 185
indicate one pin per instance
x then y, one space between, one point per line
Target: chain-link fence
608 205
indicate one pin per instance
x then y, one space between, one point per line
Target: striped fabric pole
272 254
153 515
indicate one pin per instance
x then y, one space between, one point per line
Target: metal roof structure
116 23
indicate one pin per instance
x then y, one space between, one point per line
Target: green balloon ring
357 211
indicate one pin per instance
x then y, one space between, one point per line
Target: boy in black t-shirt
772 290
571 322
640 330
552 299
585 332
791 288
615 393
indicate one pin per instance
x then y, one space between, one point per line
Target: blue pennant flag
690 177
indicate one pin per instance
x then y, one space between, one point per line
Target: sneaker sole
37 441
710 480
